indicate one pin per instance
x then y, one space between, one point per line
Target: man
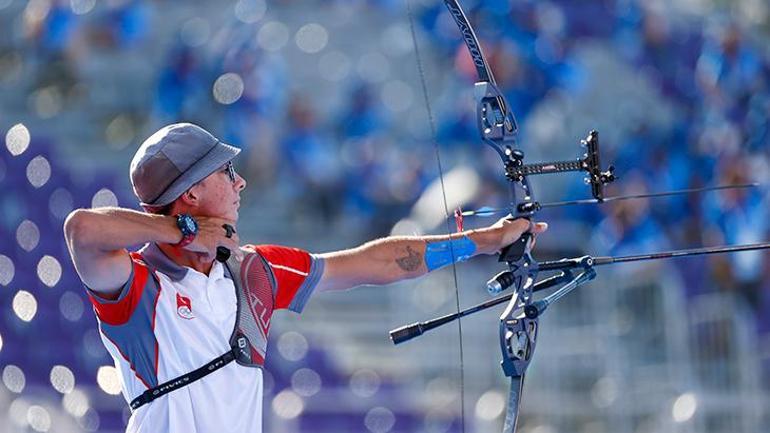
171 308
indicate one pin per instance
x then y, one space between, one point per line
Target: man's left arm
397 258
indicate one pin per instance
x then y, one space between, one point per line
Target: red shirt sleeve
290 266
118 312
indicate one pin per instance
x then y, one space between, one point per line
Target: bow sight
517 171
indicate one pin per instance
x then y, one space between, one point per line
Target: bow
518 325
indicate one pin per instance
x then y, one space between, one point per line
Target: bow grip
516 250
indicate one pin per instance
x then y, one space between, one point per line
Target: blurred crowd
358 163
363 161
713 69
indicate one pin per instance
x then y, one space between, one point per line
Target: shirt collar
156 258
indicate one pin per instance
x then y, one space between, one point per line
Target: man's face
219 193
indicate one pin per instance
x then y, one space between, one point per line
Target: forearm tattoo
411 262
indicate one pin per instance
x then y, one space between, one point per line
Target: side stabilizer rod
406 333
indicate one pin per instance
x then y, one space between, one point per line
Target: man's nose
240 182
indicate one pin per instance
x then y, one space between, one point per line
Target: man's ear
190 197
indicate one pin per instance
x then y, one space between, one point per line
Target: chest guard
253 282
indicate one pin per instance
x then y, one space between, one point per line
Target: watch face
187 224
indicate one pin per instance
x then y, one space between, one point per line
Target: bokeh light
604 392
442 391
108 380
306 382
24 305
61 203
228 88
38 418
62 379
82 7
104 198
49 270
365 383
38 171
311 38
17 139
71 306
17 412
273 36
684 407
76 403
120 132
379 420
27 235
14 379
7 270
90 420
46 102
292 346
250 11
490 405
287 404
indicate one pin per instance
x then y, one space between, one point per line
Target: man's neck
183 257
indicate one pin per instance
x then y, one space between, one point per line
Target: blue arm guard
438 254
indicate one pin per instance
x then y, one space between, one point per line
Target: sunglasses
230 171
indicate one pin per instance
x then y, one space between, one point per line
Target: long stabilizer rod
599 261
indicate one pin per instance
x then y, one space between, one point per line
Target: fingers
525 225
214 233
233 244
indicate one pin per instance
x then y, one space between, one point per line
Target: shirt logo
184 307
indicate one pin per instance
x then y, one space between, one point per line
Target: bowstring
434 137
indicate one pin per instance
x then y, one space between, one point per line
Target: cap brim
220 154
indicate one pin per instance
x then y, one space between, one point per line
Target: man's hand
508 231
212 234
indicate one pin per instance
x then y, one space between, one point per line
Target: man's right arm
97 240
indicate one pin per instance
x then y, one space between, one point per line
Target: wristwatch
189 228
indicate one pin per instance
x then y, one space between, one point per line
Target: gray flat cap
174 159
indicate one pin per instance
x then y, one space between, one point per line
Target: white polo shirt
170 320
